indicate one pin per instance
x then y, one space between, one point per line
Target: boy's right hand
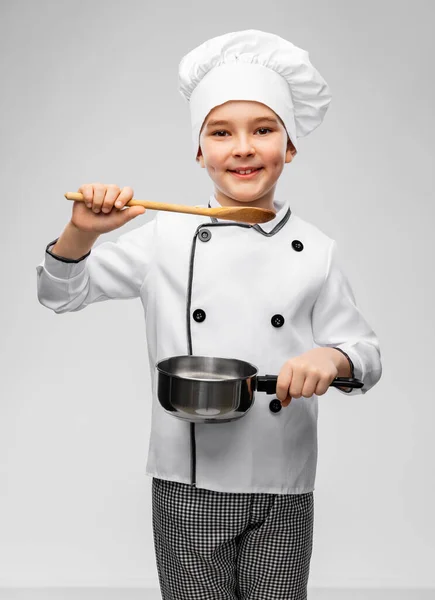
98 214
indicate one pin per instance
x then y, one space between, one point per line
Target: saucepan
206 389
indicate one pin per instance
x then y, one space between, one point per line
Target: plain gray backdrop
89 93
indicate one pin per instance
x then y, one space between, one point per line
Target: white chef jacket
208 287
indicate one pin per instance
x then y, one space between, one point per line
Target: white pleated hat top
259 66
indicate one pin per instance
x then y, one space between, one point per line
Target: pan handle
267 383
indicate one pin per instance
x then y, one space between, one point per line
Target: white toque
259 66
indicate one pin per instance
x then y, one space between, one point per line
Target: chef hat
259 66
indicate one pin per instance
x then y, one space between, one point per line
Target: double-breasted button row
277 320
205 236
200 315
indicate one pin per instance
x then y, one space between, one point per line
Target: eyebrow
213 123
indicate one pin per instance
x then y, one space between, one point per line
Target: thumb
287 401
130 212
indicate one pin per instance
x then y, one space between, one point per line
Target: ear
200 158
290 152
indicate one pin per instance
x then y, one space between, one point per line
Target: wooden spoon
245 214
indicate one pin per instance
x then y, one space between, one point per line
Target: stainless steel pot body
204 389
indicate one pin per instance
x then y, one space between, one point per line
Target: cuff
357 367
62 267
352 368
62 258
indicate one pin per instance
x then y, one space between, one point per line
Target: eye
224 132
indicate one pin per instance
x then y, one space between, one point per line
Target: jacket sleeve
112 270
337 322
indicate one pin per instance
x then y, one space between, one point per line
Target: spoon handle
193 210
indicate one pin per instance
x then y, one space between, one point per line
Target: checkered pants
228 546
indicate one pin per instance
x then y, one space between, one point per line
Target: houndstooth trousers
226 546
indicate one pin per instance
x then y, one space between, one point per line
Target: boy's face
246 138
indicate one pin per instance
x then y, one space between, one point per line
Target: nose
243 146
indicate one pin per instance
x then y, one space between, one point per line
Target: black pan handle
267 383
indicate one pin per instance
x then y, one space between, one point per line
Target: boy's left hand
310 373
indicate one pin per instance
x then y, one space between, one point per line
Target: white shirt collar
280 206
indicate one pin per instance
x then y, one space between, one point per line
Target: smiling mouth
246 175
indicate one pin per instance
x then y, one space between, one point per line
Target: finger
310 384
283 381
125 196
112 193
323 384
88 193
297 382
99 193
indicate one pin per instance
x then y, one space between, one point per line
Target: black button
275 406
199 315
277 320
297 245
204 235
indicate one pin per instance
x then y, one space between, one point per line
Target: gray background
89 93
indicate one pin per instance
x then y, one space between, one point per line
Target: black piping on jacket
214 223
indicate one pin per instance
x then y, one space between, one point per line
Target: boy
232 503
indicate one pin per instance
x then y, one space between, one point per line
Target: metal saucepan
204 389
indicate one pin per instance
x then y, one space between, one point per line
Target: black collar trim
257 227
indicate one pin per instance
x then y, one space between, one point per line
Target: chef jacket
209 287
